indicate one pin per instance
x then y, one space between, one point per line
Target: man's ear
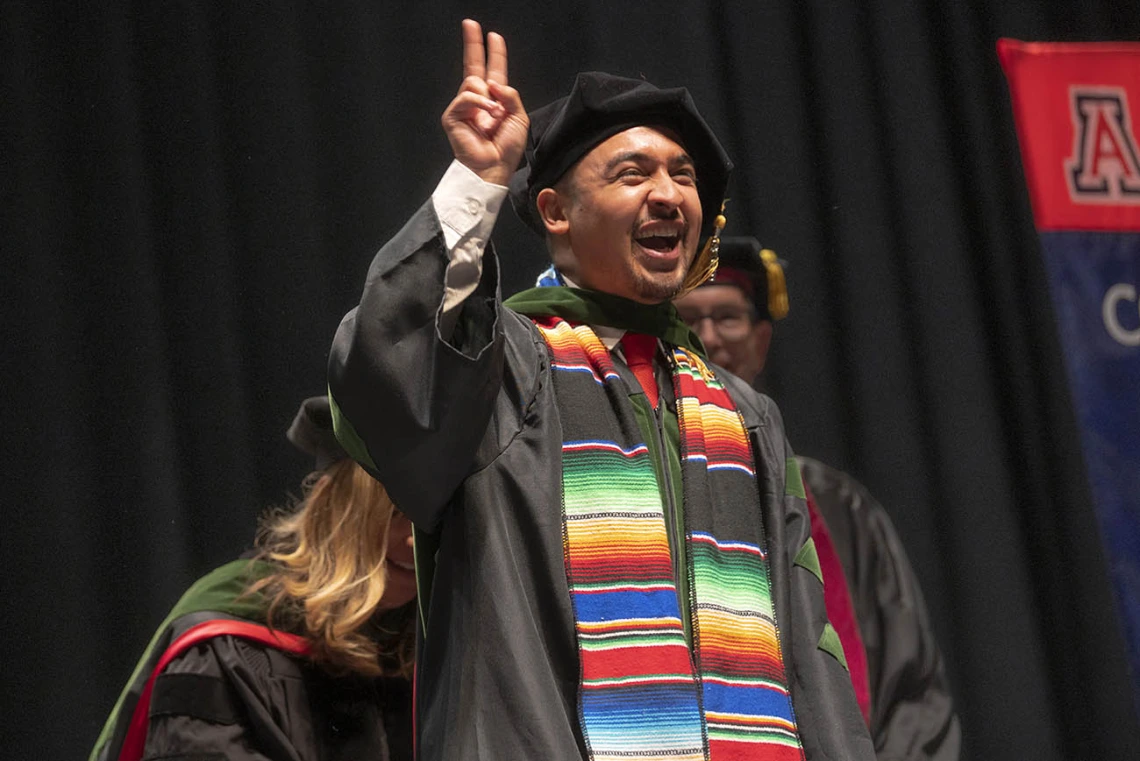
552 211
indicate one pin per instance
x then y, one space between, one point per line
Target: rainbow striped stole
747 707
644 694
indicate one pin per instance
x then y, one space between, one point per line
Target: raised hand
486 123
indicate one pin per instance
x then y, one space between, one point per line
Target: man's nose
666 193
706 331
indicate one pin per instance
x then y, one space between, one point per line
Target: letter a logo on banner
1071 108
1105 166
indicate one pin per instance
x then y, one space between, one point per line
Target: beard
655 288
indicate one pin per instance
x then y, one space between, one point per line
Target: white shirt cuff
467 208
466 205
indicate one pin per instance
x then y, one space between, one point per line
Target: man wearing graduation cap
873 597
613 548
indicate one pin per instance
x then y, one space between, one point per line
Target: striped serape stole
641 695
747 706
638 696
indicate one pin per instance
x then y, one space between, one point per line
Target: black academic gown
243 701
228 697
464 431
912 709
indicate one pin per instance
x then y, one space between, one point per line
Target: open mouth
407 566
660 242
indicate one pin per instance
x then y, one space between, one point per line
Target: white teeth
405 566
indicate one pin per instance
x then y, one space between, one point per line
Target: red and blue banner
1076 107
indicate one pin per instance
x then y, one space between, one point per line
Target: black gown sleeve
227 698
219 701
412 405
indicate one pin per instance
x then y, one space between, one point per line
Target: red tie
639 351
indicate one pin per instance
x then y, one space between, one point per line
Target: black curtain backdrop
191 193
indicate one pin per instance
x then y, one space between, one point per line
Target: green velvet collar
597 308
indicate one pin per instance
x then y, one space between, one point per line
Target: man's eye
686 176
631 172
729 317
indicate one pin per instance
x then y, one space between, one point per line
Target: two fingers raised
488 63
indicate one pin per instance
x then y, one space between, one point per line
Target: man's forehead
644 139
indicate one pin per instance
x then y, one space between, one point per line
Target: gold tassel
778 305
704 266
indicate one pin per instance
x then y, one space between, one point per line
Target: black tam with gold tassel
758 272
600 106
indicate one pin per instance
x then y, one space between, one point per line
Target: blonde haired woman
303 651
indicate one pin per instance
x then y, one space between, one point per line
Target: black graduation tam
756 271
312 432
598 107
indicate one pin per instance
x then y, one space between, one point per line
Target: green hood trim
597 308
829 642
808 558
793 481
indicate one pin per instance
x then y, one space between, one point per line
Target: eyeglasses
730 323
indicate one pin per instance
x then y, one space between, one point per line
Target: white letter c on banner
1117 293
